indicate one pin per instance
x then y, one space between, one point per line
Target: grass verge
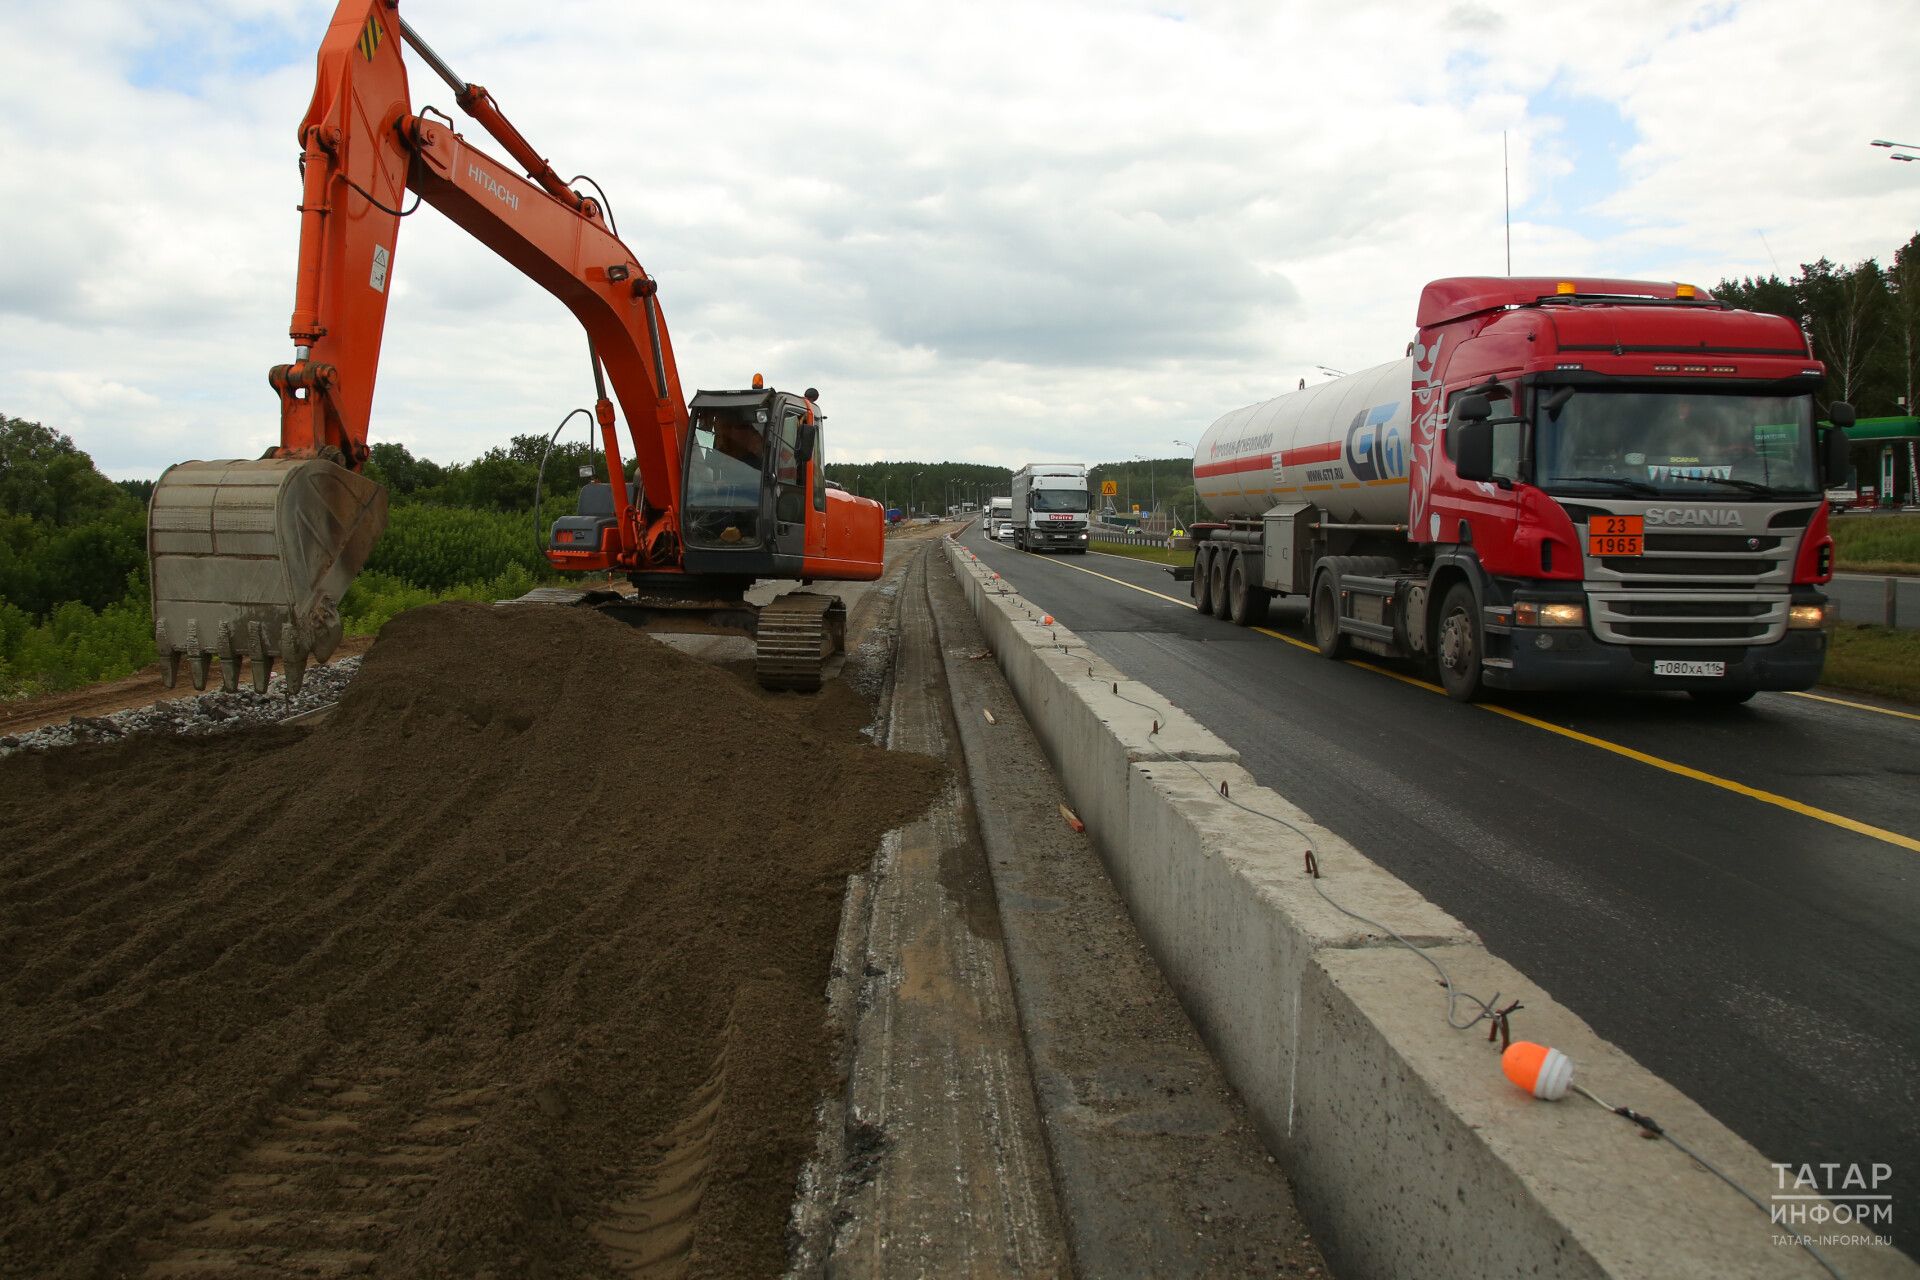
1876 544
1158 555
1884 661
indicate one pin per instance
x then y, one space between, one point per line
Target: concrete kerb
1411 1153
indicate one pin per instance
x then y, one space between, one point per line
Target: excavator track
795 636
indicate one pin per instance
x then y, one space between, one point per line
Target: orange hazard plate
1616 536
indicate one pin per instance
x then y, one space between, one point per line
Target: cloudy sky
990 231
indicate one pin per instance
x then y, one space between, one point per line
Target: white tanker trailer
1580 484
1341 445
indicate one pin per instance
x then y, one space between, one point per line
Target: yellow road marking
1857 706
1738 788
1295 641
1402 677
1619 749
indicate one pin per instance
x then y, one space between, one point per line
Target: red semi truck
1565 484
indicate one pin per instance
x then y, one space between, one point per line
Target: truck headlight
1531 613
1806 617
1083 537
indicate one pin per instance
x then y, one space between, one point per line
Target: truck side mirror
1840 413
808 440
1834 459
1473 445
1472 407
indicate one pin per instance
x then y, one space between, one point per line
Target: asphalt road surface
1733 896
1862 597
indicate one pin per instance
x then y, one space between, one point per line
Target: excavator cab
725 493
745 501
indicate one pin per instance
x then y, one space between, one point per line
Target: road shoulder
1159 1169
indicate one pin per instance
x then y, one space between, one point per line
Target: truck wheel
1217 579
1459 646
1203 580
1325 617
1246 601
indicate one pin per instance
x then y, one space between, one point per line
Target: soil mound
514 965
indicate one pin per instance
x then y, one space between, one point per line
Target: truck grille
1658 617
1697 567
1695 587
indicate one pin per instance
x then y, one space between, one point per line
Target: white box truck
999 512
1049 507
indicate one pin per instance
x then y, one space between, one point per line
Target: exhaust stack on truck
1581 484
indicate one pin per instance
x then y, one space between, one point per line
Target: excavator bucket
251 559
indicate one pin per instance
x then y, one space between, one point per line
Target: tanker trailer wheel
1203 579
1246 600
1324 616
1217 580
1459 645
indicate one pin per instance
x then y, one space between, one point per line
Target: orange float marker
1543 1072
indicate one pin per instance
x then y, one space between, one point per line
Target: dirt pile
513 966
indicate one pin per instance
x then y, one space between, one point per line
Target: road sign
1109 487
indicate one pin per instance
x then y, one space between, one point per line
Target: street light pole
1910 146
1196 493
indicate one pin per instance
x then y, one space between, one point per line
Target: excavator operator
738 439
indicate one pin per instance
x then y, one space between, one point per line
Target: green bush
376 598
74 646
440 548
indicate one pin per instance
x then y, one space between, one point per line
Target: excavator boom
252 558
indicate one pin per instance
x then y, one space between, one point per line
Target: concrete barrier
1411 1153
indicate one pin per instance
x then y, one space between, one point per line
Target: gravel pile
212 712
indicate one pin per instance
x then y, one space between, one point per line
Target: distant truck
1566 484
1049 507
999 512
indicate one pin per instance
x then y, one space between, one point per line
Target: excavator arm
252 558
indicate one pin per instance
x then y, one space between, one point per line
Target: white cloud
986 231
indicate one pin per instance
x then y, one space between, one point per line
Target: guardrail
1125 536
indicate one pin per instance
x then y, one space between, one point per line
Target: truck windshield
1059 499
1670 444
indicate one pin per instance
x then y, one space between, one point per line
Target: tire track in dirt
506 950
325 1188
649 1231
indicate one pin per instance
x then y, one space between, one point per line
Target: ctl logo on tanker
1375 449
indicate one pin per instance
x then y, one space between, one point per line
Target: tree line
1863 321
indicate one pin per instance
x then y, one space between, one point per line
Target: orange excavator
251 558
